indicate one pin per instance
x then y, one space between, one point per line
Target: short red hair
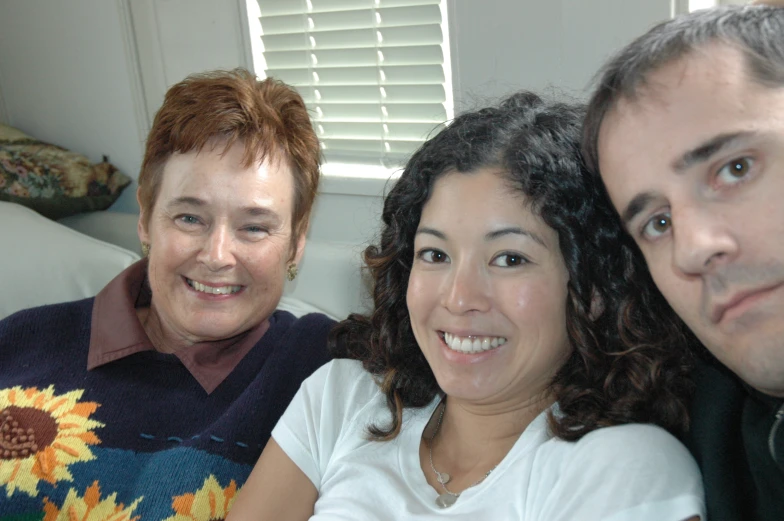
267 116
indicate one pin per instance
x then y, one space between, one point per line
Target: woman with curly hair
513 366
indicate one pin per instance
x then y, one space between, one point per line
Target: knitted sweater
137 438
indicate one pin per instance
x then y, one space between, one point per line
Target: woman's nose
466 289
217 251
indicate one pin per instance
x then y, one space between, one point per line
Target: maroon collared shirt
115 332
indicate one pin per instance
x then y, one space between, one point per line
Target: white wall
499 46
64 78
175 38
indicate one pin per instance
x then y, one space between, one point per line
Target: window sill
364 180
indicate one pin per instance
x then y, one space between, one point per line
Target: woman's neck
475 432
166 340
473 439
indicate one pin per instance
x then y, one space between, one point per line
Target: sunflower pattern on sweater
43 435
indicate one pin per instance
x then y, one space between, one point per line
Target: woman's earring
291 272
146 249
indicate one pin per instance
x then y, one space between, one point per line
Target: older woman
155 398
501 375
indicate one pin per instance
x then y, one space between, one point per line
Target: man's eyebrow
260 211
709 148
513 230
634 207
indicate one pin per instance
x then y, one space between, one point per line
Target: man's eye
657 226
508 260
735 171
433 256
189 219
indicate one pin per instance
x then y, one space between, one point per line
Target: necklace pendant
443 477
446 500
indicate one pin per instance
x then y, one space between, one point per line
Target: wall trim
679 7
133 66
245 43
454 57
4 117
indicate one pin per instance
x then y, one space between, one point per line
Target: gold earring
145 249
291 272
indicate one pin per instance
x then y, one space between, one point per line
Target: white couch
44 262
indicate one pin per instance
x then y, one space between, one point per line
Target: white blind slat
289 7
413 35
345 20
390 131
422 112
395 75
367 94
424 55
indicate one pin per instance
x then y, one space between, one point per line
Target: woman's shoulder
344 378
311 325
50 318
300 321
635 442
633 471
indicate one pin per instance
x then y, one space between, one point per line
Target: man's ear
597 305
141 227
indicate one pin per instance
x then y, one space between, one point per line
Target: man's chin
760 365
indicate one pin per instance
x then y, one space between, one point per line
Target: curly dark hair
627 364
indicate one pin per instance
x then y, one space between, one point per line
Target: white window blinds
371 71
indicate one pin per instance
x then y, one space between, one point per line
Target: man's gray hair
757 31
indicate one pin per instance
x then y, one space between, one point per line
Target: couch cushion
43 262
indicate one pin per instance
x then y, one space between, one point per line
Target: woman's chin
208 328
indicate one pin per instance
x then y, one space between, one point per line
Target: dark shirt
737 439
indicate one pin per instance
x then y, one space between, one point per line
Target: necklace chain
442 477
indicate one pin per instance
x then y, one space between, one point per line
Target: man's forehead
713 76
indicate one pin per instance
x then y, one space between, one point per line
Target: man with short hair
686 128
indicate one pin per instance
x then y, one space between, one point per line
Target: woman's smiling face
487 291
220 237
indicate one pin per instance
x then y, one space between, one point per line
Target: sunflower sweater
137 438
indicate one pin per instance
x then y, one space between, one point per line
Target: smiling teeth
222 290
473 344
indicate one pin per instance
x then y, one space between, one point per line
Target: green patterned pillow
54 181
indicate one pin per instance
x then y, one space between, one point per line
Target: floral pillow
54 181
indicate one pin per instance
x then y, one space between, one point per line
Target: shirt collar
115 332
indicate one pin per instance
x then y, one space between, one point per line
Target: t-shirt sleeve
627 473
321 411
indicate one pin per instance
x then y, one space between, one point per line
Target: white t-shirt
631 472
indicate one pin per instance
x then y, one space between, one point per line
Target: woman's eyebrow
514 230
431 231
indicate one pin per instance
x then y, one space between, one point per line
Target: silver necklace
447 498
